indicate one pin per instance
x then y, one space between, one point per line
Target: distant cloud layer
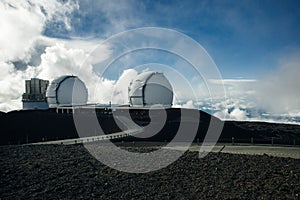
274 97
280 91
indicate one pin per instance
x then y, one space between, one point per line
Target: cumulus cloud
22 22
12 85
120 93
279 91
59 60
236 114
188 104
239 98
273 98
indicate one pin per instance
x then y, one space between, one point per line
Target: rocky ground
70 172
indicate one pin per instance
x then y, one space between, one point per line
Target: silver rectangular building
35 94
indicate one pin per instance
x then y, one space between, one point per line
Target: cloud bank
273 98
279 91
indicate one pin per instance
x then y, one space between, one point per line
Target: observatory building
150 88
35 94
66 91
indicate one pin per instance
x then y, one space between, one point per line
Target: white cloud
120 93
260 100
187 104
231 81
22 22
59 60
12 85
279 92
19 27
235 88
237 114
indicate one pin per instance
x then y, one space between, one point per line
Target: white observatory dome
150 88
66 91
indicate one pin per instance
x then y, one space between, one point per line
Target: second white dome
150 88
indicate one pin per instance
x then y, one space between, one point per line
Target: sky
255 46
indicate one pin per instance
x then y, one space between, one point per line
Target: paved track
133 129
278 151
92 138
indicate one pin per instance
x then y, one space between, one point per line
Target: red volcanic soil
70 172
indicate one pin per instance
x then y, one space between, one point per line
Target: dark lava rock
70 172
29 126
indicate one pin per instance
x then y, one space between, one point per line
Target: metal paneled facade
35 94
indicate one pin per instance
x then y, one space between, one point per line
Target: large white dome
66 91
150 88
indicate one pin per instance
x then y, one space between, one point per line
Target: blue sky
244 38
